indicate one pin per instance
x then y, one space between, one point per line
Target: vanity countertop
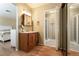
29 32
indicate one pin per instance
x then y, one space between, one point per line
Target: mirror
26 22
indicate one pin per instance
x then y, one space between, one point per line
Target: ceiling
74 5
8 10
34 5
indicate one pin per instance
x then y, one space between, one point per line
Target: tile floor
6 50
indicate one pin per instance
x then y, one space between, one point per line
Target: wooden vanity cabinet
23 42
32 40
27 41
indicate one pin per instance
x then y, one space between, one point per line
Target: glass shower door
50 30
74 41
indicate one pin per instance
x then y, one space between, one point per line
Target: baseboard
62 49
73 50
41 44
59 48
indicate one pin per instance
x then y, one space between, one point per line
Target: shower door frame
57 42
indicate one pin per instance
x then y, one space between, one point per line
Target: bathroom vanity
28 40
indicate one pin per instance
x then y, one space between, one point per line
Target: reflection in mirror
26 23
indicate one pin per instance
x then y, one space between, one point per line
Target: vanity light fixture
26 13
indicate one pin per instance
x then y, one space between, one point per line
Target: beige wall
8 21
22 7
38 14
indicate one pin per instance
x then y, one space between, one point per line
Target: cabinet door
32 40
23 42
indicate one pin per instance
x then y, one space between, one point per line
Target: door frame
69 37
57 26
17 27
